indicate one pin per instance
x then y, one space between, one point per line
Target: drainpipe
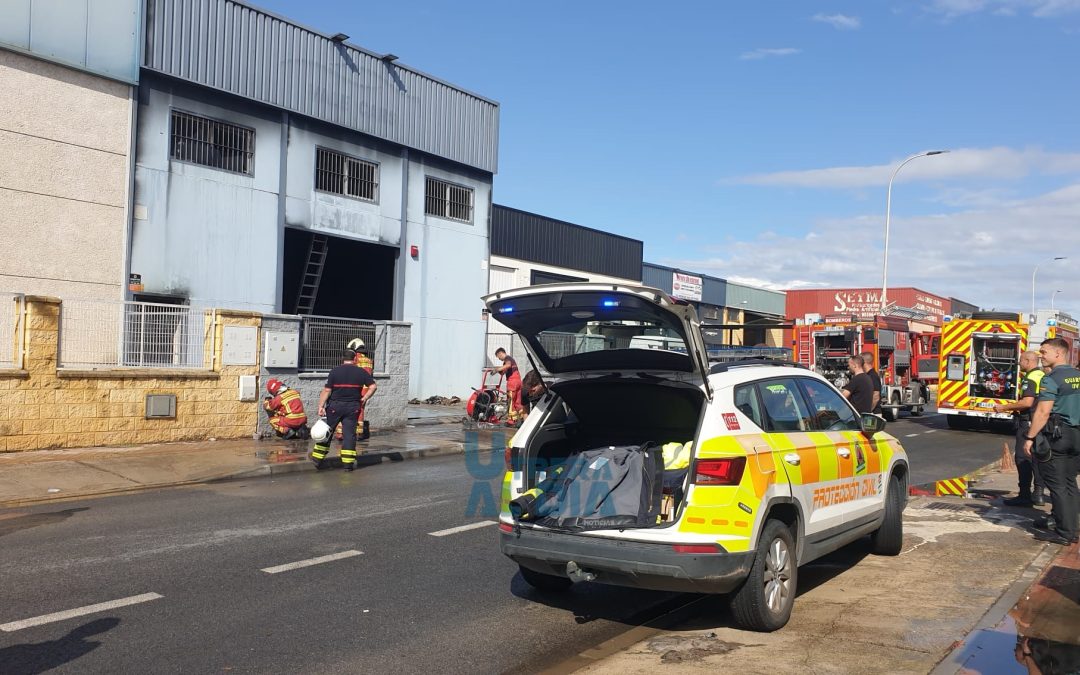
283 161
403 244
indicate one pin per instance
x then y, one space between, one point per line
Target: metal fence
12 313
557 345
105 334
324 338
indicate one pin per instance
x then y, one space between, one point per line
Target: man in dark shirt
875 379
533 388
859 390
347 390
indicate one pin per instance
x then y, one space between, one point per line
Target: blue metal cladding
97 36
719 292
526 236
251 53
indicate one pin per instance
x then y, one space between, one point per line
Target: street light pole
1052 297
1033 273
888 211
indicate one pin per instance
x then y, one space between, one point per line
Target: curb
265 470
952 663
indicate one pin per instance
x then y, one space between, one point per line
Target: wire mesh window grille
324 339
344 175
99 334
220 145
447 200
11 330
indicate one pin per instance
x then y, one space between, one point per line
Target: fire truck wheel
916 411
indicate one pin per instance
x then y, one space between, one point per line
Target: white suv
649 467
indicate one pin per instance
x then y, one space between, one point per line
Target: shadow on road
40 657
16 522
633 607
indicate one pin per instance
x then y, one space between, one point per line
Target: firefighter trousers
344 413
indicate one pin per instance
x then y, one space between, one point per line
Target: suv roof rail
743 363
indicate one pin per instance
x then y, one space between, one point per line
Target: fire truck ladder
309 283
806 342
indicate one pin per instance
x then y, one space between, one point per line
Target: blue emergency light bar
610 303
505 310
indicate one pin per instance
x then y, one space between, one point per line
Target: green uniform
1062 386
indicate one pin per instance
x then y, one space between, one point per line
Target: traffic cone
1007 463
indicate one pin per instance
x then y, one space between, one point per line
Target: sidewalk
47 475
965 563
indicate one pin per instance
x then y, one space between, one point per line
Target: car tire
544 582
889 538
765 600
917 411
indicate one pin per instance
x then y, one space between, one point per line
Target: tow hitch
577 575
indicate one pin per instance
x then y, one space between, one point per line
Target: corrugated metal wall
656 277
760 300
527 236
244 51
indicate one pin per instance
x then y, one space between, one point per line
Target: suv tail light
723 471
509 457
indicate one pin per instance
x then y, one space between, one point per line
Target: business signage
686 287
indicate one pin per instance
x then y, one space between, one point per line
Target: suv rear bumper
628 563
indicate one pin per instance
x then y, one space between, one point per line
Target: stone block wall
387 409
43 407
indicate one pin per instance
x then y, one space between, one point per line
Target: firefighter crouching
285 409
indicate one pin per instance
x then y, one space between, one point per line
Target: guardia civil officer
347 390
1057 418
1026 467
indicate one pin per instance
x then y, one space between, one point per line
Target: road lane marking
78 611
463 528
311 561
911 436
930 431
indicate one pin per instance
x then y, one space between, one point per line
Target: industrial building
926 309
529 249
67 74
752 316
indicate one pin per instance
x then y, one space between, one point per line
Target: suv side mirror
872 424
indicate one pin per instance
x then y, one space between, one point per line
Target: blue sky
754 140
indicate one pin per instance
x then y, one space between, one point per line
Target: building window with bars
220 145
344 175
447 200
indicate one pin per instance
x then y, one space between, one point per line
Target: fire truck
980 367
826 345
926 355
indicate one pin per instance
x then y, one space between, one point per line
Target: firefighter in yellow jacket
362 360
286 410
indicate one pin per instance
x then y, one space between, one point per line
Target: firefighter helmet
274 385
320 431
357 345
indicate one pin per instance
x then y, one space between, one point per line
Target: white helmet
356 345
320 431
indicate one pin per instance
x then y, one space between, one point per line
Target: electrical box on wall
239 345
160 406
247 388
282 350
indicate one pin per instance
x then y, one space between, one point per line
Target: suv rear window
746 401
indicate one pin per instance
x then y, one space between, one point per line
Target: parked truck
824 346
980 367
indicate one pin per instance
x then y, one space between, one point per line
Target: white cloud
1039 8
984 256
995 163
839 21
763 52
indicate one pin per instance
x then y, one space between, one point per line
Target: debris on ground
436 400
680 649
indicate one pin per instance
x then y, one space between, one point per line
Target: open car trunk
597 460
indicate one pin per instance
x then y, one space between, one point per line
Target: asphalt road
206 579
